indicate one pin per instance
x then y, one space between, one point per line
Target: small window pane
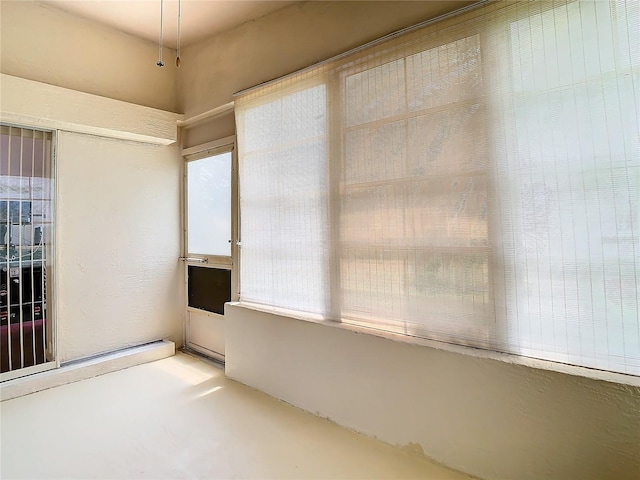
209 288
209 205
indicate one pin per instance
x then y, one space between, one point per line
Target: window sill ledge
514 359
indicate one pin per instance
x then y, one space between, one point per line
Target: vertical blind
476 181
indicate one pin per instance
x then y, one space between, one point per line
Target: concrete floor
181 418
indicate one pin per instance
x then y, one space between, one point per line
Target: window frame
339 131
231 262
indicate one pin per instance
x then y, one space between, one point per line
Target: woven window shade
475 181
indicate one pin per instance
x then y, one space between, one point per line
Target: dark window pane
209 288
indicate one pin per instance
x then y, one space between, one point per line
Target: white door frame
223 145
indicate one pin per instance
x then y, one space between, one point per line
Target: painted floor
181 418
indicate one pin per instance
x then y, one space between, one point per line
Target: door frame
198 152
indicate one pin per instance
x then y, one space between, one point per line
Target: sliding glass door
26 223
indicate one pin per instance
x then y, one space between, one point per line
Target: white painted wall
47 45
485 417
118 241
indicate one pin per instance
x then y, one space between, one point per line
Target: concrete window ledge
513 359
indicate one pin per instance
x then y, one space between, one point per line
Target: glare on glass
209 205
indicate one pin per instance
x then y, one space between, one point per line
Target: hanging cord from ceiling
160 63
178 46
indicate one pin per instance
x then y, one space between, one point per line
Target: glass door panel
209 205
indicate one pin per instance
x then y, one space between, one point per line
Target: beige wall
213 129
50 46
282 42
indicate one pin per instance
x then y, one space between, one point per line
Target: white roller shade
476 181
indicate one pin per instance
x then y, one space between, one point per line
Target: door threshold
215 361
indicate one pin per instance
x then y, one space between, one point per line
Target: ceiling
141 18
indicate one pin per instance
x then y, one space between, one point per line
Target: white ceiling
200 18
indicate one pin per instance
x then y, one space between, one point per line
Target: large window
283 201
475 182
414 193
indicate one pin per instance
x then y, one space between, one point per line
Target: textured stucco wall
118 242
485 417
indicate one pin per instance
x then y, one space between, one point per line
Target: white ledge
86 368
603 375
40 105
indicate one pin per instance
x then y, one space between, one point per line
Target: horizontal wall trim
205 147
40 105
209 114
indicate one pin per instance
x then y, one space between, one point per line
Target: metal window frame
51 239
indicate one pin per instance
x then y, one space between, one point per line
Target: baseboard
87 368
